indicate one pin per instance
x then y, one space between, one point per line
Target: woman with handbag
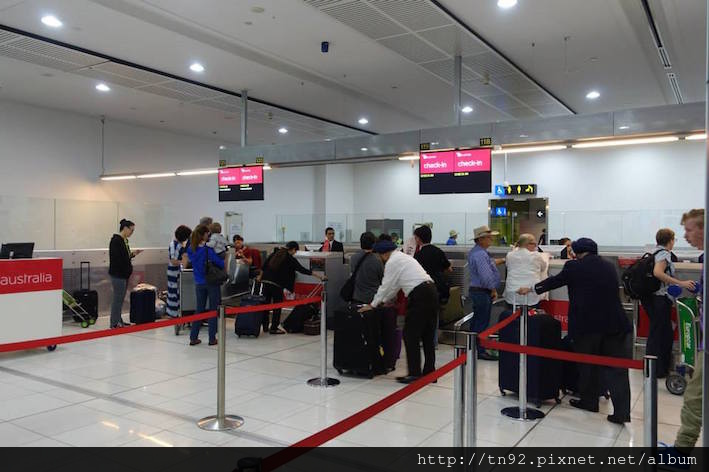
209 275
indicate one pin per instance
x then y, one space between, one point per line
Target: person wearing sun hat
403 272
484 280
452 239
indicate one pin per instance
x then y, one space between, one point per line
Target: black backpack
638 279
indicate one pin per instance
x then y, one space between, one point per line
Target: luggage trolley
687 320
79 314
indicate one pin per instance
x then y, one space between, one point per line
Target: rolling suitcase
570 373
357 348
295 323
86 297
249 324
544 376
452 310
142 306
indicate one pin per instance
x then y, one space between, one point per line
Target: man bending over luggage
597 324
402 272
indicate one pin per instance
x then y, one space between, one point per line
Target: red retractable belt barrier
484 341
105 333
301 447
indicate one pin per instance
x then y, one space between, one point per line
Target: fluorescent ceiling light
51 20
197 67
103 88
593 94
625 142
118 177
467 109
696 137
506 3
283 130
267 167
222 147
518 150
197 172
363 121
364 149
624 127
410 157
155 176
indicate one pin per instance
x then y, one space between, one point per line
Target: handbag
213 274
347 290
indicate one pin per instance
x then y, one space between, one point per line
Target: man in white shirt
402 272
525 268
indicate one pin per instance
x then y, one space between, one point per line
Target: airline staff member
330 245
402 272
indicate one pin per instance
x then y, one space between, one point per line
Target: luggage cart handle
81 275
458 324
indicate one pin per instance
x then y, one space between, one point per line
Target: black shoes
194 342
277 331
576 403
213 342
407 379
487 357
618 419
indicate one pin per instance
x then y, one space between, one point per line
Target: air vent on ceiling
6 36
675 87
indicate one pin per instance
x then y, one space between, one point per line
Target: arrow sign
540 214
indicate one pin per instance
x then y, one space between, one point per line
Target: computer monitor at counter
17 251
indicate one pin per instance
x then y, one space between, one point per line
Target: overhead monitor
240 183
465 171
16 251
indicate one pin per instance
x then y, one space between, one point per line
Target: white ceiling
392 66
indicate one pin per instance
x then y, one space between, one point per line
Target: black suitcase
142 306
249 324
544 376
357 344
85 296
295 323
570 373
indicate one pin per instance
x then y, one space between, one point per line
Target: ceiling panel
453 40
364 19
488 63
444 70
109 78
412 48
414 14
131 73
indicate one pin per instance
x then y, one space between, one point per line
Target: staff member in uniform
484 280
597 325
402 272
120 268
330 245
199 253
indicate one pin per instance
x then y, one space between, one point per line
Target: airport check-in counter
330 264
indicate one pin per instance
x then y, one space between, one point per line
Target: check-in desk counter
332 266
30 299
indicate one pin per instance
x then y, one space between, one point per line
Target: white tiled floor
148 390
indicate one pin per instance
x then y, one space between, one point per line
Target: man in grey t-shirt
370 273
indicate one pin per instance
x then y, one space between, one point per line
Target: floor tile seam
537 423
44 436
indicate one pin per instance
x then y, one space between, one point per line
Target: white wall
50 154
616 195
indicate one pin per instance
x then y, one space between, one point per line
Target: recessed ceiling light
363 121
364 149
51 20
467 109
523 136
283 130
624 127
197 67
328 139
506 3
222 147
257 9
103 88
593 94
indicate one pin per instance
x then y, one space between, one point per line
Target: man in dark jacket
330 245
597 325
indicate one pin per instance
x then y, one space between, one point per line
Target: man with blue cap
403 272
597 325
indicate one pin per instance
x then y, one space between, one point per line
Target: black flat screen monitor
16 251
240 183
464 171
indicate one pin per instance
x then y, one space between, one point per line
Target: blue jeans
482 305
214 294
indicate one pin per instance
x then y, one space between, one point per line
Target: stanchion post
323 381
521 412
458 397
650 401
221 421
471 391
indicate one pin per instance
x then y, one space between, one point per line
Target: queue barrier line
321 437
605 361
105 333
